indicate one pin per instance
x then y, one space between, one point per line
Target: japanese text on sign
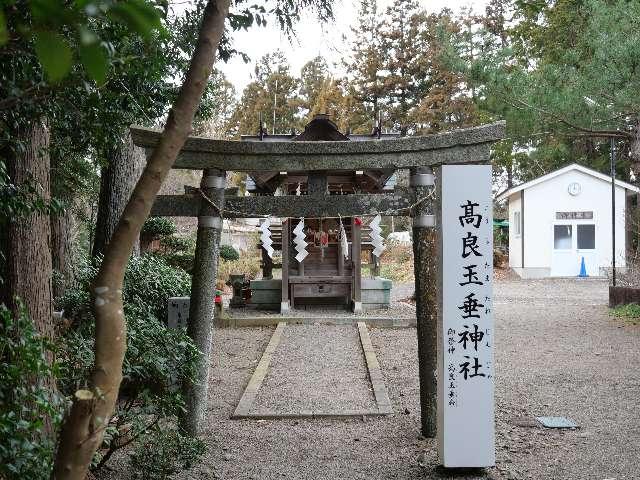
465 367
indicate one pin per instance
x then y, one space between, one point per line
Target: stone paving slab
249 395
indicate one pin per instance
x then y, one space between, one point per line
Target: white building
559 219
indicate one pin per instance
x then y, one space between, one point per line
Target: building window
516 224
586 237
562 237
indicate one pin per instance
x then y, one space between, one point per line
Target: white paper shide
376 238
265 237
344 241
299 241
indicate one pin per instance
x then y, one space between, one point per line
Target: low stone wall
623 296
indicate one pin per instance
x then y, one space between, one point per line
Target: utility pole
275 103
613 211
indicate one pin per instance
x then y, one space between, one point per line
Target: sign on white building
466 435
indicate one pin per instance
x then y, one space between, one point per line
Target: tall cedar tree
313 76
365 68
405 63
447 104
272 94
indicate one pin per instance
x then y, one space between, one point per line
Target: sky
330 40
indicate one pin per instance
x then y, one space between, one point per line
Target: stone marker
178 312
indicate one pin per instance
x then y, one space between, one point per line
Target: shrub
247 264
24 402
156 227
150 281
183 260
164 453
157 358
178 251
176 244
228 253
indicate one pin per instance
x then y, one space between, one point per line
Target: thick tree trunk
28 239
62 234
91 411
117 181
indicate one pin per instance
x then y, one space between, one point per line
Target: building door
572 242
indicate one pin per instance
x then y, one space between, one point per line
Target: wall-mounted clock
574 188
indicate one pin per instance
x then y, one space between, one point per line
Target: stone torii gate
424 156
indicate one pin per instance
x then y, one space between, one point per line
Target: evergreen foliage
157 227
24 452
228 253
157 358
155 458
396 73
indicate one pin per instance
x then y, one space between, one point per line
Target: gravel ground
316 368
557 353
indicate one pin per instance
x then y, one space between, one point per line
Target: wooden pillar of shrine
203 286
425 259
284 303
356 249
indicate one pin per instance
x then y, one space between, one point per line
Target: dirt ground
558 353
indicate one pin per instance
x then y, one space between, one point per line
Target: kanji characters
470 306
469 217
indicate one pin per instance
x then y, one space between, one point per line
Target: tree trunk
510 174
634 155
90 413
117 181
28 239
62 234
634 151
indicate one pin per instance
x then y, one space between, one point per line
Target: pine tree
567 83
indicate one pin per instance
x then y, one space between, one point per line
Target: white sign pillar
466 432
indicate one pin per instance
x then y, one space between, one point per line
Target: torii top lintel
464 146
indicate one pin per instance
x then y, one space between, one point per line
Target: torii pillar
203 286
425 259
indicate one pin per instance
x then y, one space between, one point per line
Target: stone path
316 371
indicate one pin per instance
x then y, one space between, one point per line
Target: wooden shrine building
328 275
